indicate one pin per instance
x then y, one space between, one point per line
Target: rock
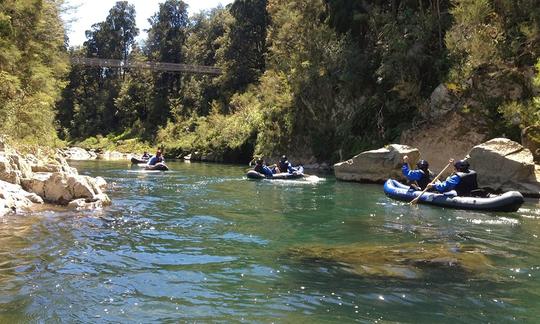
61 188
530 138
14 198
19 163
100 183
451 137
114 156
61 161
376 165
7 172
504 165
405 261
441 102
77 154
81 204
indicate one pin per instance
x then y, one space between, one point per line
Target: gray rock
376 165
504 165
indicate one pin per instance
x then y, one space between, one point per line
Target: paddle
431 183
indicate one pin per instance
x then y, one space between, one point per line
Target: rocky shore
501 164
29 180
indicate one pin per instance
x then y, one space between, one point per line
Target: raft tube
157 167
138 161
507 202
252 174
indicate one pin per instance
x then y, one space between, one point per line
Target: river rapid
201 243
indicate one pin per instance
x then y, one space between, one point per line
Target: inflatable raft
507 202
252 174
157 167
138 161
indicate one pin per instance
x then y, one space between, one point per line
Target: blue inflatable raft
299 173
507 202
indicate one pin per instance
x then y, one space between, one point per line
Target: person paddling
463 180
421 175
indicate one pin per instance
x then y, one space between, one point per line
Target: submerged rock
376 165
504 165
407 261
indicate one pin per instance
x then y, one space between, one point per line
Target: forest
318 79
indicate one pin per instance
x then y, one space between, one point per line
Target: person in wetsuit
419 177
463 180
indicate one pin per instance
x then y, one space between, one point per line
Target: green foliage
124 142
474 39
313 78
244 46
523 114
32 63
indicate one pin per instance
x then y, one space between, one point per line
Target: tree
166 38
242 55
32 63
90 96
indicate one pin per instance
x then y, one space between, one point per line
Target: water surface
203 244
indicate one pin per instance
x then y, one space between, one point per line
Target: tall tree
243 54
90 96
166 38
32 62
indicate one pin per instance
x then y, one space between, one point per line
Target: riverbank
31 180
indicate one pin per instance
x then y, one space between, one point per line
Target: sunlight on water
201 243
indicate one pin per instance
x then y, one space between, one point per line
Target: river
203 244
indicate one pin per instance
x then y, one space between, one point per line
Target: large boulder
530 138
13 198
504 165
376 165
78 154
61 188
441 102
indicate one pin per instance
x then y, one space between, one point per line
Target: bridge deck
157 66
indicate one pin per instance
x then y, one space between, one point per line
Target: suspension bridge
156 66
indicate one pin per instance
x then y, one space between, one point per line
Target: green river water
203 244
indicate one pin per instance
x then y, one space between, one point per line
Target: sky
86 13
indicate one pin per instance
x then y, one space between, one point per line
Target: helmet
422 165
283 158
462 165
259 161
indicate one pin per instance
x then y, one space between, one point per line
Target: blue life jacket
155 160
